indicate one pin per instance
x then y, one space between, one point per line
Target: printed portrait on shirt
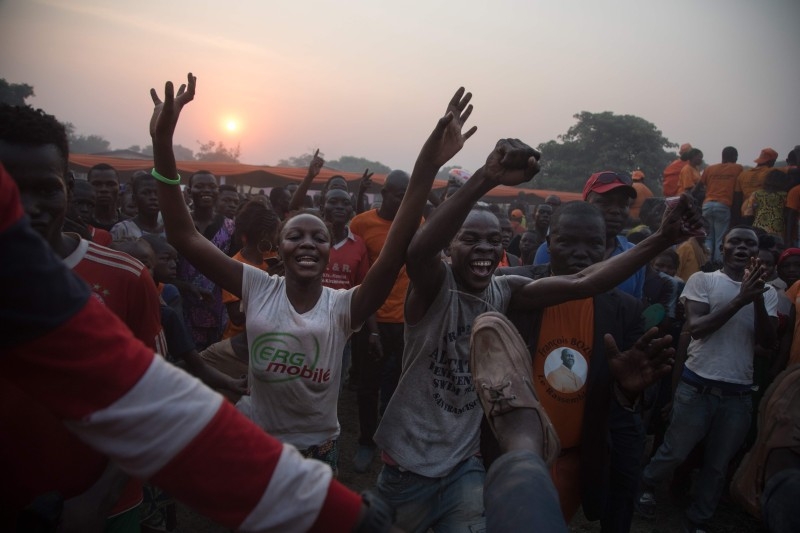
565 370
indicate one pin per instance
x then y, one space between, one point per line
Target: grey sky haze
370 78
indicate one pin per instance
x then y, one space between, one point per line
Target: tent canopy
262 176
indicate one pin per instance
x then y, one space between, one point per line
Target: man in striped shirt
33 147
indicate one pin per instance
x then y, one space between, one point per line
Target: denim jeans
627 447
718 216
723 421
453 503
378 379
779 502
519 495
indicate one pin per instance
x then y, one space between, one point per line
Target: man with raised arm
430 430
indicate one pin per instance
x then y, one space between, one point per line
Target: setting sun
231 125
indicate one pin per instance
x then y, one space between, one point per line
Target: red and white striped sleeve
154 420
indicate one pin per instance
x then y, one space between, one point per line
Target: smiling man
430 433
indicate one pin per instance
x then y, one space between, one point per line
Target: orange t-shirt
671 173
561 365
688 178
232 329
751 180
793 198
374 229
794 354
643 192
720 182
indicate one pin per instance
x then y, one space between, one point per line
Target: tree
346 163
301 161
602 141
214 152
85 144
350 163
14 93
181 152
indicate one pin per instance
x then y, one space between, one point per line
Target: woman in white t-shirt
296 327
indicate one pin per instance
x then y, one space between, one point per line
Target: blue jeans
723 421
718 216
377 379
453 503
520 496
627 447
779 502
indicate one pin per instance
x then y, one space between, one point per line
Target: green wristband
162 179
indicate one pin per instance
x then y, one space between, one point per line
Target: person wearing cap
517 221
643 192
613 193
751 180
720 182
673 171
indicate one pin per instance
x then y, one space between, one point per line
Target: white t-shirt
727 354
295 359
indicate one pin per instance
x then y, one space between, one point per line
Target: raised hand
166 113
366 181
682 220
316 165
446 140
754 282
511 162
646 362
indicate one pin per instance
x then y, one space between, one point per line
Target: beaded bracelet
162 179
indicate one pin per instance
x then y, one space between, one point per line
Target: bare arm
511 162
181 233
677 224
313 171
445 141
702 322
210 375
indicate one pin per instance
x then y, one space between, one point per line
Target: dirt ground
729 518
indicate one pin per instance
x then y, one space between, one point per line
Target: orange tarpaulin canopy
262 176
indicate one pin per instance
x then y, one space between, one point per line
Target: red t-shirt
100 236
66 464
348 263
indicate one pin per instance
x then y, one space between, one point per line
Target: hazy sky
370 78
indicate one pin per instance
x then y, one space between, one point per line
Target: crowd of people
509 360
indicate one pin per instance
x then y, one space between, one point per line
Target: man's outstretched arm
77 358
